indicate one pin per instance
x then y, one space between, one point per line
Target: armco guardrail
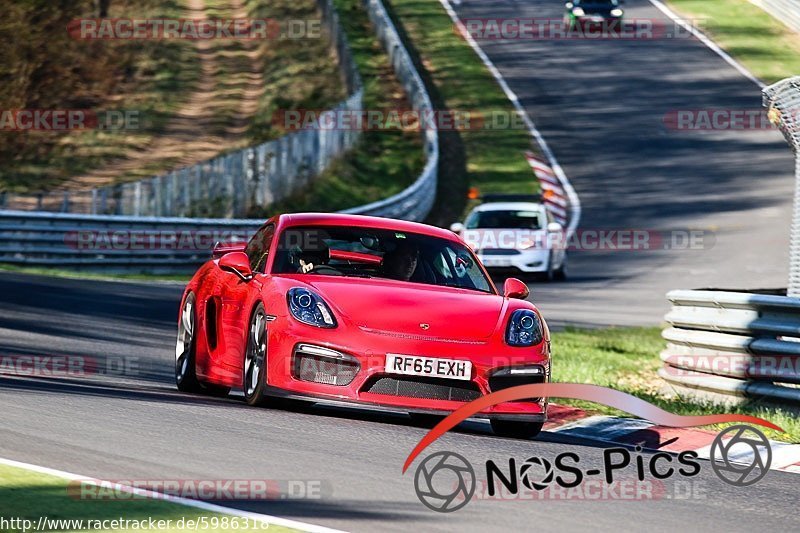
415 202
733 345
269 172
228 185
132 243
272 171
114 243
787 11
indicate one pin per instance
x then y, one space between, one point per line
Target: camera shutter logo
735 467
445 482
526 473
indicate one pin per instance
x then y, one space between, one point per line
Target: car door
237 298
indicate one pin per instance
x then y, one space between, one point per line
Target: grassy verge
385 161
81 274
626 359
148 77
30 495
765 46
218 94
495 156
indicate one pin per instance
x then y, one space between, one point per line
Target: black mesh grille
425 388
327 370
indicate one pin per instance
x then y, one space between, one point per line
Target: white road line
311 528
575 203
703 38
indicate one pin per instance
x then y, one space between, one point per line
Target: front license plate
497 262
428 366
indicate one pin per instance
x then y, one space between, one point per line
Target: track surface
136 426
600 105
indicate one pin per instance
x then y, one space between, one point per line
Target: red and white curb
554 197
634 431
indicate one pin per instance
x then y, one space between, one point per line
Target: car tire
516 430
254 367
549 274
560 274
186 344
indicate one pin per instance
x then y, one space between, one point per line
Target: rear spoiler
222 248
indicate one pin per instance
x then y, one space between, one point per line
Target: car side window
258 248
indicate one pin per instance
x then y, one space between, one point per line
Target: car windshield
368 252
505 219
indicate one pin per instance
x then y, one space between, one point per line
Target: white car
516 235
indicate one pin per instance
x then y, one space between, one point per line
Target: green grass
495 157
765 46
154 83
384 162
157 78
626 359
82 274
30 495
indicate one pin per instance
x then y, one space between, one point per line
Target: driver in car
311 259
401 262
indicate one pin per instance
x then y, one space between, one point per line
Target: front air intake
424 388
323 365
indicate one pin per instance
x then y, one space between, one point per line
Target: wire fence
787 11
783 102
232 184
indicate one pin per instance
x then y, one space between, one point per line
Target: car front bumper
527 261
289 374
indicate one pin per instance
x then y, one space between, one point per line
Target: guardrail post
782 100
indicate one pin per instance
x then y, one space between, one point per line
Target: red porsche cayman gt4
347 308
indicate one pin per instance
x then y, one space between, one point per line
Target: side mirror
554 227
238 263
514 288
457 227
569 5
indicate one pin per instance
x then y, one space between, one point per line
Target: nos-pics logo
740 456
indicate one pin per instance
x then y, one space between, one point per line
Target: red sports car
360 309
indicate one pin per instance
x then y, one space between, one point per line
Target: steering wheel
324 269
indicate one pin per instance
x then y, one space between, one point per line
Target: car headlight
578 11
616 12
309 308
524 328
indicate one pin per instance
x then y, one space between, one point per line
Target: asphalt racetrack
601 107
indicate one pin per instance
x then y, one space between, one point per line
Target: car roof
339 219
509 206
